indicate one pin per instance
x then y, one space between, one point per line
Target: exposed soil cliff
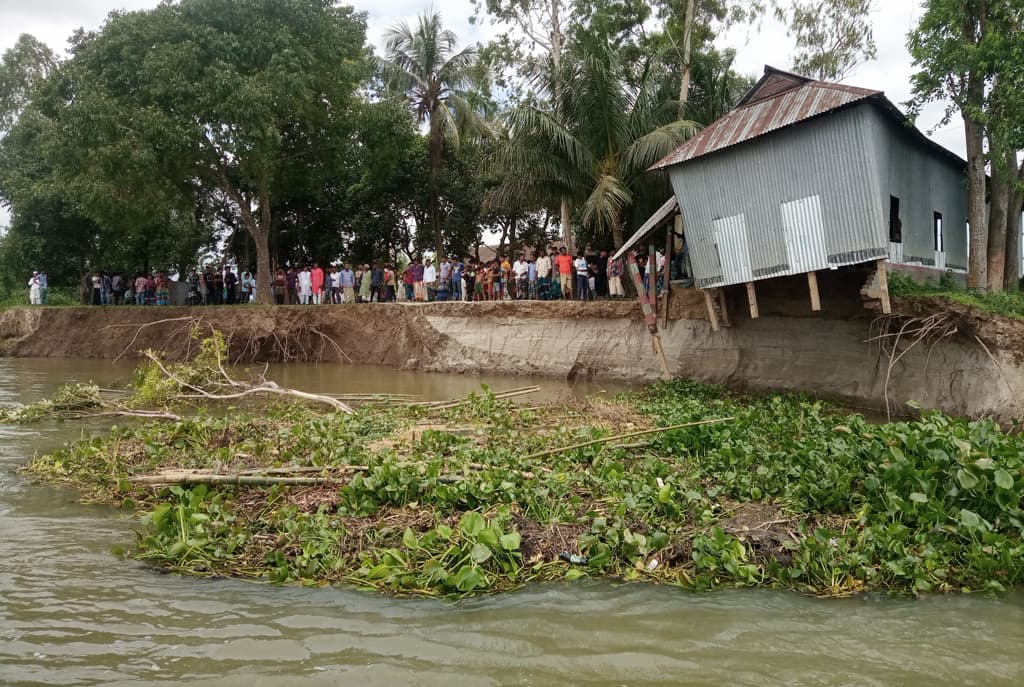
971 363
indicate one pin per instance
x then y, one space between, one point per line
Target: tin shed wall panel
925 184
733 249
805 234
829 157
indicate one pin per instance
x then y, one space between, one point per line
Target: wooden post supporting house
710 303
752 297
877 286
883 283
649 315
723 306
812 283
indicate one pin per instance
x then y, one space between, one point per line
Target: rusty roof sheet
777 101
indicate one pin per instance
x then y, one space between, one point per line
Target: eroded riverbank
976 368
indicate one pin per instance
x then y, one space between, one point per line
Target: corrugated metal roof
652 223
778 100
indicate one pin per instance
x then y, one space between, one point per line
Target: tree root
898 335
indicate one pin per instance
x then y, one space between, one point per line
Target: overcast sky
54 20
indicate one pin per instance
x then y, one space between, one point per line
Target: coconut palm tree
608 133
425 65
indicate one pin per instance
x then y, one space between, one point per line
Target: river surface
73 613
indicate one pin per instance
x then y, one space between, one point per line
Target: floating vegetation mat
486 495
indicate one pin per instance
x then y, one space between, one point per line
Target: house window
937 231
895 224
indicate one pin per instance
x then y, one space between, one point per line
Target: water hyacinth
789 492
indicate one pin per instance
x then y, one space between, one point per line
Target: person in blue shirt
44 286
531 278
348 285
457 268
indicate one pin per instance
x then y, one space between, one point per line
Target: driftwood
511 393
617 437
264 388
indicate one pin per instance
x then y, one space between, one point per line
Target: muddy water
73 613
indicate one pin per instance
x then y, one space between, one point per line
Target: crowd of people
552 276
555 275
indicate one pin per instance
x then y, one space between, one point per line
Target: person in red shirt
408 280
565 272
316 277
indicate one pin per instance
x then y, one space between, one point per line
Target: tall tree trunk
557 45
998 206
617 236
436 149
260 233
977 262
566 223
684 86
258 229
1015 206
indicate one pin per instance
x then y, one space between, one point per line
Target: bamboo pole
629 435
649 314
186 477
652 279
668 268
443 405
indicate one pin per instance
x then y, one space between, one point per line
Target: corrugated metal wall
925 184
828 157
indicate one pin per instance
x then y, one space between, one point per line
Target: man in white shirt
582 276
430 279
520 269
543 276
305 286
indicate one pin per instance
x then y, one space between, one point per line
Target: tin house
805 175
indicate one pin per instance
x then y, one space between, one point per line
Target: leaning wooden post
812 284
710 303
752 297
649 314
883 285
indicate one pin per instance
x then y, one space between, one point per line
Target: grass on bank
15 298
1008 304
788 494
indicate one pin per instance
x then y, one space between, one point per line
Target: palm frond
650 148
533 127
602 210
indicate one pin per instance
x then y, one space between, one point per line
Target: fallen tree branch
605 440
266 387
